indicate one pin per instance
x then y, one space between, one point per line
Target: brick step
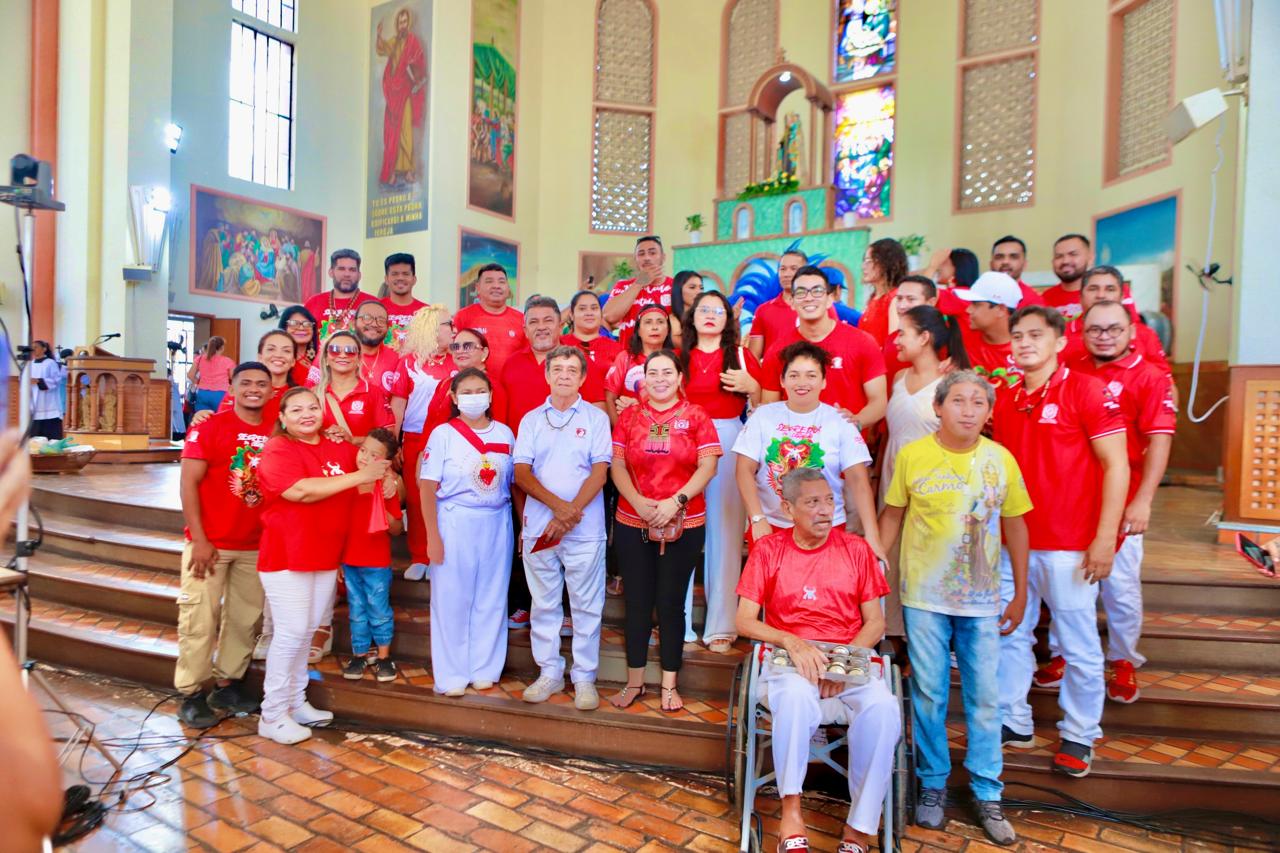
109 542
131 593
1239 594
1212 704
1208 641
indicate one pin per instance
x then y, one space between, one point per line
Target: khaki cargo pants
219 612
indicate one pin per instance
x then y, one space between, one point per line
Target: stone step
132 593
113 497
109 542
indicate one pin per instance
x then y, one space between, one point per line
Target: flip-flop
666 698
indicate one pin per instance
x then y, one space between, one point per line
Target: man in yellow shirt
956 490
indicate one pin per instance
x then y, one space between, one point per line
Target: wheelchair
748 750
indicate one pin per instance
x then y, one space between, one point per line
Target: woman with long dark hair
953 268
625 379
720 375
884 264
301 325
586 331
685 287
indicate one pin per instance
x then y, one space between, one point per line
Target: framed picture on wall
1142 240
242 248
476 249
495 63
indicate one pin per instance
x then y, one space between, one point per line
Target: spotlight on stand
172 137
31 185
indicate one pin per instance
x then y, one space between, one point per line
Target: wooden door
229 330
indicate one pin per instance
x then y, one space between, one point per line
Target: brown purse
669 532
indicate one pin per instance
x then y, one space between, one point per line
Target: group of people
935 474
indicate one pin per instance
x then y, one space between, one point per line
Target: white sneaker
543 689
306 715
585 697
283 730
482 684
415 572
260 649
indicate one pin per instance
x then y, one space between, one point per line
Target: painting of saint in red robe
404 88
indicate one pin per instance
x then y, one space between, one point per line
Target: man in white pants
1065 431
561 460
819 584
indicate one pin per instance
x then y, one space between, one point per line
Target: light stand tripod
30 197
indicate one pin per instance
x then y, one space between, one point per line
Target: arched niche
767 95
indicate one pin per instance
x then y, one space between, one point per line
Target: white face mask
473 405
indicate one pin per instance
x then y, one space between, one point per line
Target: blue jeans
977 647
369 607
210 400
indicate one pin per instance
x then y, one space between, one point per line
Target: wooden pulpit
107 399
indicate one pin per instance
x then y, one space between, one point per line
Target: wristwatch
756 519
682 499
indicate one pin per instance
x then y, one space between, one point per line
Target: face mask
473 405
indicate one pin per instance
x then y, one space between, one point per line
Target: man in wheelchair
819 584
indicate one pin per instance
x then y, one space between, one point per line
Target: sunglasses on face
343 349
462 346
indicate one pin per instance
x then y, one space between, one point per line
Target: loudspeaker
1193 113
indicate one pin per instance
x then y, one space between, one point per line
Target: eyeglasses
803 293
463 346
710 311
1104 331
299 324
343 349
372 321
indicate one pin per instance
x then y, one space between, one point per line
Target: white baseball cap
996 287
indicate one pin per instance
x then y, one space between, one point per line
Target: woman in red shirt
352 405
586 316
883 265
300 325
306 481
276 352
470 348
626 375
720 376
664 454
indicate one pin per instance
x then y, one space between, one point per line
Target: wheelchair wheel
735 737
904 766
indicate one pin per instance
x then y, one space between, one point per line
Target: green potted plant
693 224
913 245
621 270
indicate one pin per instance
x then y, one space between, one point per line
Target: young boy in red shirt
366 566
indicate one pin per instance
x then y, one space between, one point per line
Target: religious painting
475 250
866 36
602 270
398 85
246 249
1142 239
495 36
864 151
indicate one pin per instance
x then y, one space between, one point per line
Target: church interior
211 154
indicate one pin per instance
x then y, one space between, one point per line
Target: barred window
260 125
277 13
624 101
750 45
1140 90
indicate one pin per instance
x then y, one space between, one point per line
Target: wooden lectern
107 399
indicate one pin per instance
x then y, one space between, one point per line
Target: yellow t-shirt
950 557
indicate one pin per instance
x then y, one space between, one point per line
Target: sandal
793 842
720 645
850 847
614 585
325 632
622 696
667 699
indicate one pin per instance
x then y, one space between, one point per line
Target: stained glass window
866 39
864 151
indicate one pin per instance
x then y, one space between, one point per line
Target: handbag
669 532
189 397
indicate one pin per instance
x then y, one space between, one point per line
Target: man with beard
651 286
335 309
776 317
1009 256
1072 256
491 316
404 79
1106 283
400 274
1145 394
378 361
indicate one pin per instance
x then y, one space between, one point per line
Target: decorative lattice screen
624 52
620 171
997 133
737 152
752 47
1260 467
1146 78
995 25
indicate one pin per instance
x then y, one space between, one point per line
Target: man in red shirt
1145 394
816 583
855 378
993 297
335 309
491 316
775 317
221 504
1072 256
400 274
524 377
651 286
912 291
1065 431
1106 283
1009 256
378 362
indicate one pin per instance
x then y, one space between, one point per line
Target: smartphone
1256 554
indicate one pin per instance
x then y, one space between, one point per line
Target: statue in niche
107 402
791 160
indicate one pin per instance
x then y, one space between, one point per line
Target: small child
366 566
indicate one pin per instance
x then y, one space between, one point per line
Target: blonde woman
423 367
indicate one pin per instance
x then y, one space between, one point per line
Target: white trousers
1056 578
726 524
1121 595
298 601
469 595
580 567
875 724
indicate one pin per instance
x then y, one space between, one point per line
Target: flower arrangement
784 183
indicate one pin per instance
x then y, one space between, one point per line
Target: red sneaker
1122 683
1050 675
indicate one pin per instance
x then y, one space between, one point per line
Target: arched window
749 41
796 215
624 99
864 64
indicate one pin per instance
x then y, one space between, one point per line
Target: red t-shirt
818 594
334 312
875 319
1068 301
525 387
365 408
270 409
775 318
702 384
1049 431
303 537
599 349
364 549
380 368
1145 394
952 305
1144 342
230 497
661 451
438 408
855 360
398 317
504 331
416 383
625 377
301 372
656 293
994 361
